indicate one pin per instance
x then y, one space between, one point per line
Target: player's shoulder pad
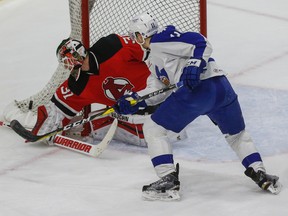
106 47
164 34
171 34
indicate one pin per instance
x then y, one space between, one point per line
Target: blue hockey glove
123 105
191 73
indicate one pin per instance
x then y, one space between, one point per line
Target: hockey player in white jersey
175 57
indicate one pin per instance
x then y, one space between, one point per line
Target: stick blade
100 147
21 131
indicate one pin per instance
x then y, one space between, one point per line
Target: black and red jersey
116 68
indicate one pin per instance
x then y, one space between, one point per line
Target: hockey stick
29 136
79 146
84 147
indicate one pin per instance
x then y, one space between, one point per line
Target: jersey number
127 39
66 92
175 34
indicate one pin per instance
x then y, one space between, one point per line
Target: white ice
250 42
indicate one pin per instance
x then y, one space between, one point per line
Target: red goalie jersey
116 66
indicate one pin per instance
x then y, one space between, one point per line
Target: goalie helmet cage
93 19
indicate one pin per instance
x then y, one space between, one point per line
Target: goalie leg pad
27 118
129 130
49 118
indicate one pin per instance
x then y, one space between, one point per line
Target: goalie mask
71 53
144 24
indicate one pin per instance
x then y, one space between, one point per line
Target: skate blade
275 189
169 195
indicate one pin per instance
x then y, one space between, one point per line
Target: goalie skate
165 189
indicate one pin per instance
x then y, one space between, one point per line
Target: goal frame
86 40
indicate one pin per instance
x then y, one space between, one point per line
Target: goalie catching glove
71 53
191 72
126 106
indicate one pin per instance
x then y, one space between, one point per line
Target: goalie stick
84 147
93 150
29 136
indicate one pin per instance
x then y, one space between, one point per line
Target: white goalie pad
129 130
27 119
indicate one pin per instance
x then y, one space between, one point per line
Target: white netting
106 17
113 16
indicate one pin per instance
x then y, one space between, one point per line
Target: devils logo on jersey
114 88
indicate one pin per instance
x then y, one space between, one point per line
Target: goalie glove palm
71 53
124 105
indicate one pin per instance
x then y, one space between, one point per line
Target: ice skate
265 181
165 189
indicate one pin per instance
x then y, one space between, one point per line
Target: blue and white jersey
170 51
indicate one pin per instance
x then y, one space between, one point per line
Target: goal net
93 19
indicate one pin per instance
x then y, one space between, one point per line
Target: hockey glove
124 106
71 53
191 73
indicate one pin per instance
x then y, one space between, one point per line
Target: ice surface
250 42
